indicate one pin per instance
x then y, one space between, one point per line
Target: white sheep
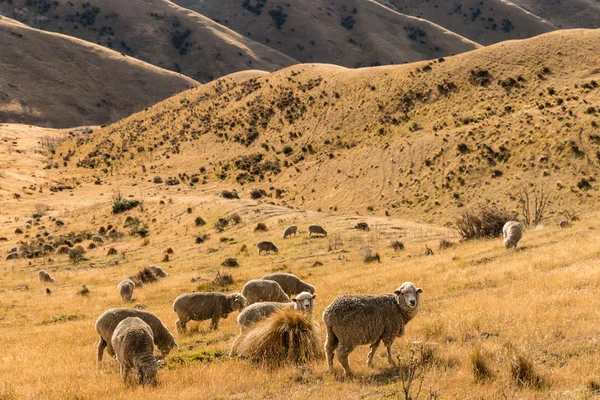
45 277
260 290
133 343
512 232
158 271
205 305
125 289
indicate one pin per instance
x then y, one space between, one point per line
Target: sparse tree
533 206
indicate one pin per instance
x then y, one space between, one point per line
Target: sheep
259 290
108 321
13 250
62 249
12 256
290 230
351 321
45 277
50 237
48 248
132 341
565 224
267 247
205 305
290 283
317 230
158 271
512 232
258 311
125 289
97 239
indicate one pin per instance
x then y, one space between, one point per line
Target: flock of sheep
350 321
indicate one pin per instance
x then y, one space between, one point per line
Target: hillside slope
156 31
565 14
53 80
348 33
486 22
424 138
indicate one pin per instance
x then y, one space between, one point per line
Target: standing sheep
512 232
259 290
97 239
12 256
132 341
202 306
125 289
290 283
267 247
45 277
108 321
158 271
368 319
48 248
317 230
290 230
13 250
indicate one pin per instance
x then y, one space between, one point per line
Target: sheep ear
314 296
294 300
397 292
419 290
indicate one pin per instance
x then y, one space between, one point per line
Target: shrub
260 227
279 17
199 221
397 245
287 150
485 222
221 224
369 256
202 238
524 374
157 179
144 276
223 279
480 366
84 291
445 244
362 226
257 193
170 250
230 263
226 194
123 205
76 254
348 22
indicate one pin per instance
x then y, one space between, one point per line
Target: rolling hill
353 33
565 14
155 31
420 139
53 80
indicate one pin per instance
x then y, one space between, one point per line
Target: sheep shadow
385 376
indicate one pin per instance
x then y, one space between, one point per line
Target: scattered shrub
170 250
480 365
445 244
397 245
362 226
230 263
257 193
199 221
260 227
144 276
123 205
76 254
369 256
485 222
523 373
226 194
223 279
202 238
157 179
84 291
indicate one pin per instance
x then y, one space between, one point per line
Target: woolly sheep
205 305
12 256
290 283
50 237
45 277
257 311
351 321
290 230
97 239
46 247
267 247
259 290
13 250
158 271
108 321
125 289
512 232
132 341
317 230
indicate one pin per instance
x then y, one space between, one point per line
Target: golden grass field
539 302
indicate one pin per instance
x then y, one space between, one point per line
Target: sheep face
238 302
407 297
147 373
165 348
509 244
304 301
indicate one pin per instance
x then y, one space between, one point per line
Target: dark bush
257 193
362 226
230 263
202 238
199 221
485 222
397 245
122 205
445 244
226 194
260 227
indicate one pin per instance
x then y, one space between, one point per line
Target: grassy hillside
524 318
486 22
421 139
565 14
53 80
353 33
155 31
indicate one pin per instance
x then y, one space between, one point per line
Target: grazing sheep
12 256
108 321
290 230
97 239
27 226
13 250
258 311
48 248
260 290
158 271
50 237
290 283
565 224
204 305
62 249
317 230
512 232
132 341
125 289
368 319
45 277
267 247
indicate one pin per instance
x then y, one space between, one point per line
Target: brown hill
427 138
565 14
347 33
156 31
53 80
486 22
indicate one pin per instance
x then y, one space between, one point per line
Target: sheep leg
331 343
181 326
124 371
374 347
214 323
342 356
388 346
101 346
110 350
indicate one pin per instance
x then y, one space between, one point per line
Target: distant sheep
133 343
267 247
158 271
12 256
317 230
565 224
125 289
50 237
512 232
257 311
97 239
108 321
45 277
13 250
205 305
48 248
352 321
62 249
290 283
290 230
260 290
